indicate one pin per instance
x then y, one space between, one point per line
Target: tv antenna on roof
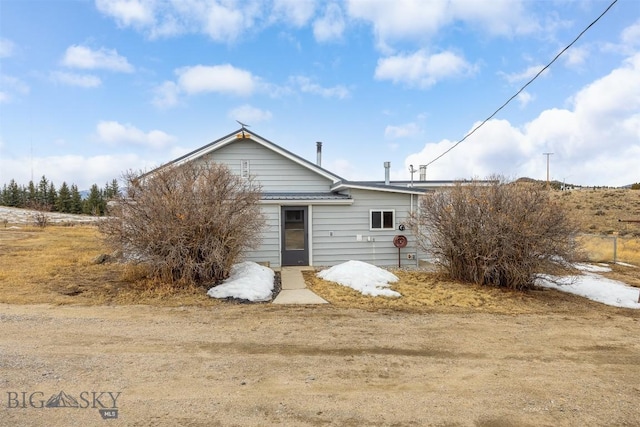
244 126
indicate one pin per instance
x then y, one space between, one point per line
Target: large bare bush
502 234
189 224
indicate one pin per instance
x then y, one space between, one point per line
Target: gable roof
242 134
339 184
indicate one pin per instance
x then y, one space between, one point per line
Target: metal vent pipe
387 166
319 153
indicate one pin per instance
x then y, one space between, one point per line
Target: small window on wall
244 168
382 220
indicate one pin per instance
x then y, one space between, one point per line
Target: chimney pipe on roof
423 172
319 152
387 166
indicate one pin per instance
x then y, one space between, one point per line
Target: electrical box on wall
411 256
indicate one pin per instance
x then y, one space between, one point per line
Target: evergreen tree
63 202
52 197
4 195
43 189
76 200
32 194
13 195
94 205
115 188
111 190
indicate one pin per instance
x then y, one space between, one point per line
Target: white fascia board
306 202
343 186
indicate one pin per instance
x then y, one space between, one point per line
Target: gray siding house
314 217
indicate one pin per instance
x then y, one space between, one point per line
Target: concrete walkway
294 290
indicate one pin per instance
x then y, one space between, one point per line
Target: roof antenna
244 125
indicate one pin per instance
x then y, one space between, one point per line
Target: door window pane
294 230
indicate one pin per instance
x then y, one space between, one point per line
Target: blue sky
90 89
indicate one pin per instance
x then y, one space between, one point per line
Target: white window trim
244 169
393 225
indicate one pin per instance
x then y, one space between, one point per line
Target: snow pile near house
247 280
364 278
594 287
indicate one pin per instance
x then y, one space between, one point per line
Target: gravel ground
265 365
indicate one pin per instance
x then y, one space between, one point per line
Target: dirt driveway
240 365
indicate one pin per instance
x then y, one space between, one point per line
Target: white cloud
402 131
73 169
166 95
74 79
525 75
135 13
221 20
576 56
12 86
422 70
524 98
224 23
306 85
415 20
342 167
293 12
85 58
6 47
597 142
631 35
228 80
224 78
249 114
114 133
331 25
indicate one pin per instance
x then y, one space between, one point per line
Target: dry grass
428 292
55 265
599 248
598 211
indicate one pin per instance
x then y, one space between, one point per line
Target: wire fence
611 248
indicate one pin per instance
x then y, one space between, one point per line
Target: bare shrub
501 234
187 224
40 216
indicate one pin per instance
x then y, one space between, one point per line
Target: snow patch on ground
364 278
247 280
591 268
594 287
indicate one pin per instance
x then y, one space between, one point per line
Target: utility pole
547 154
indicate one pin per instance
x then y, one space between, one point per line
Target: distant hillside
599 211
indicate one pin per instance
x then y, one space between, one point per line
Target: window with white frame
244 168
382 219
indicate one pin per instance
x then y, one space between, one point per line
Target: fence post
615 249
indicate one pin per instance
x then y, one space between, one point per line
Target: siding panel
274 172
335 230
269 250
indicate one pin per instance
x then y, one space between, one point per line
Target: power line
525 86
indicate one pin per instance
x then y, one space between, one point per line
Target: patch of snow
364 278
247 280
596 288
602 268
